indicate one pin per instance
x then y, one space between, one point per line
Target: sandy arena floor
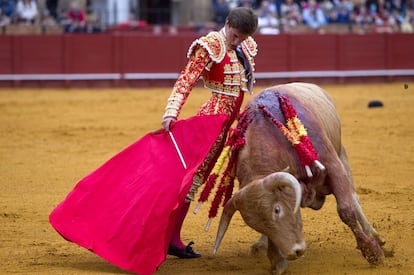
50 139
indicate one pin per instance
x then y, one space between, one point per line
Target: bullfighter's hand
168 122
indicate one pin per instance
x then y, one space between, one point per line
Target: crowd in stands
28 13
275 16
362 16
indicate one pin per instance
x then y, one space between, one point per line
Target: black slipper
183 253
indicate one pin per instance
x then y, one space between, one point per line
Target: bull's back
315 108
313 97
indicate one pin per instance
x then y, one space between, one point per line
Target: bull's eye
277 211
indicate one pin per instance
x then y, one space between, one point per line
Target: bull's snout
297 251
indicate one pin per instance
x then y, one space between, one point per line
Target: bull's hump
267 98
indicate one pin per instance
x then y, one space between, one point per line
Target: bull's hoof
280 267
257 248
373 253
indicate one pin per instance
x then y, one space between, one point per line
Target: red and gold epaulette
214 43
250 46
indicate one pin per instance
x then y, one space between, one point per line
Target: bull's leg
349 212
258 246
366 226
278 263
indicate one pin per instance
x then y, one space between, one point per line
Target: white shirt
28 12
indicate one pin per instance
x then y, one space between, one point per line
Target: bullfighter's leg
278 263
343 190
177 247
176 237
366 226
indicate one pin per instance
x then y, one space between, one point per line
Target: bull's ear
283 179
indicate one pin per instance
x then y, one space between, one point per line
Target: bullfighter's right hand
168 123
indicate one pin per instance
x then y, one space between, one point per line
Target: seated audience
268 22
52 6
47 19
4 19
291 14
7 8
312 15
75 21
220 10
26 11
407 26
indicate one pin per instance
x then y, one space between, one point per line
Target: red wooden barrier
35 54
121 58
400 51
6 55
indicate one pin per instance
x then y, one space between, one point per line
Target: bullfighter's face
234 37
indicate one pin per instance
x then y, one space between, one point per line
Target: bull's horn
228 212
279 179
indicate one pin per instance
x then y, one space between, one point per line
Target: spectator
76 19
396 20
232 4
291 14
329 10
47 19
343 15
247 4
347 4
407 24
4 19
268 22
220 9
362 19
409 5
273 7
7 8
51 6
373 7
93 24
381 16
313 16
26 11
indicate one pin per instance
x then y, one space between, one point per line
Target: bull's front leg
259 246
366 226
350 213
278 263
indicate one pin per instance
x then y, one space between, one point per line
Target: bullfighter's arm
186 81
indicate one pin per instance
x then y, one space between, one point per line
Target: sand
50 139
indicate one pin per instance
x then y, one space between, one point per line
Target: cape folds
125 210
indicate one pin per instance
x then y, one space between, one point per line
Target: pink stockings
176 236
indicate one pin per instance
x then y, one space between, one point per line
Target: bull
274 184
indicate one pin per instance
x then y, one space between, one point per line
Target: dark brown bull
270 173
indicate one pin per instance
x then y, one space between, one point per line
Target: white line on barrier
166 76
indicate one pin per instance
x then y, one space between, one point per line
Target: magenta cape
125 210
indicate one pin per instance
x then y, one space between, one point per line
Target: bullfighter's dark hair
243 19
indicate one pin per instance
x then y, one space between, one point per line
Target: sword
177 149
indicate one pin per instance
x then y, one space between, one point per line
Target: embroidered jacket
222 73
